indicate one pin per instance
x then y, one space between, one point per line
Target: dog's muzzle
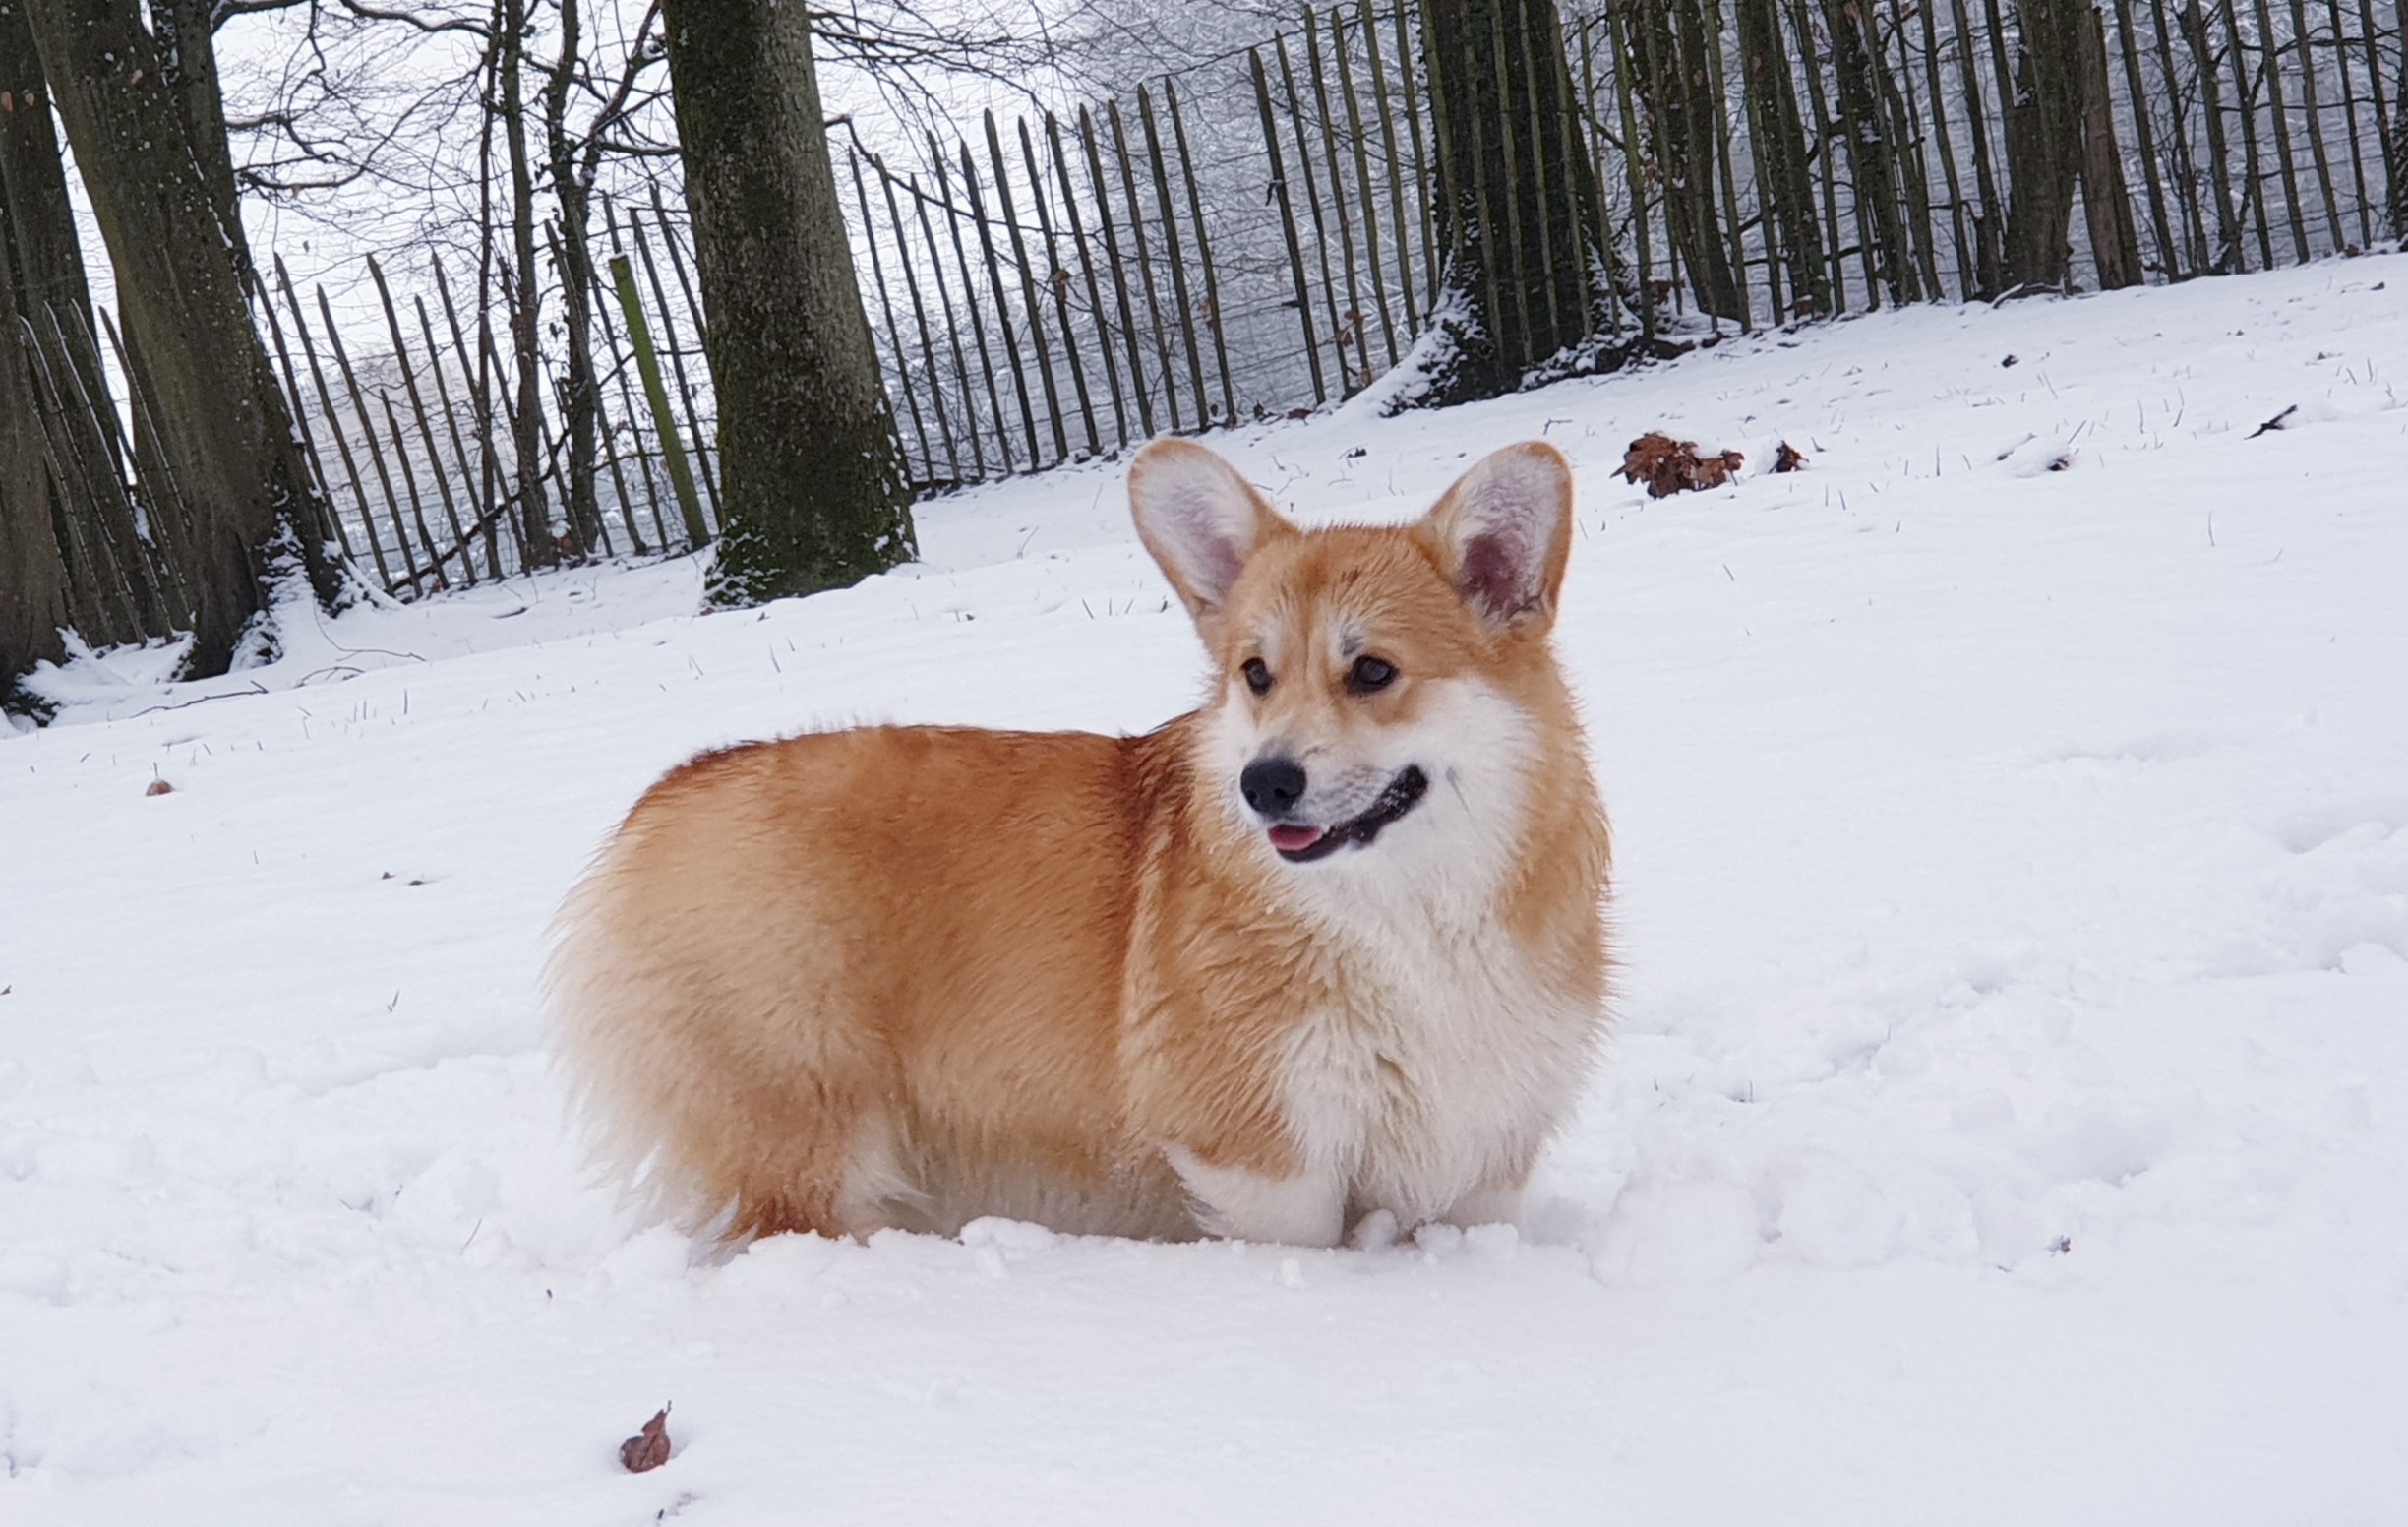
1403 794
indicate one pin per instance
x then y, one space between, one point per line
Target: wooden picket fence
407 426
1257 236
414 444
1254 236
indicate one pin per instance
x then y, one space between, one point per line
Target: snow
2004 1122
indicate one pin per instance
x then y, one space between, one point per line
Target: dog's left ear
1504 533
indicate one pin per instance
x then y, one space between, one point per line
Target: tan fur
905 976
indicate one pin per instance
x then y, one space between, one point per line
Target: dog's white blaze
1430 1091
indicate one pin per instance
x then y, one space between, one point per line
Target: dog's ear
1199 518
1504 533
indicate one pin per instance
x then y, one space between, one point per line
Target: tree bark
33 175
1861 76
1521 209
190 56
2044 142
221 421
2115 239
1672 56
580 399
1783 162
2061 137
2399 153
40 266
812 492
32 576
524 295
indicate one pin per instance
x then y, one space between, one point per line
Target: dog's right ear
1199 518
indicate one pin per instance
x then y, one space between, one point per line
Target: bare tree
2060 138
39 264
221 421
32 577
574 156
1672 59
813 493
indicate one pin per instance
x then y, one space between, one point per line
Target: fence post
1212 283
375 450
1287 212
1145 264
928 347
656 394
1111 254
894 332
1058 278
409 380
978 324
1028 290
1395 174
1095 294
1358 329
944 305
1002 304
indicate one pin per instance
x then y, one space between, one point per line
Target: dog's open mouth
1297 843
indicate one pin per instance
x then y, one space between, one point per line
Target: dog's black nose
1272 786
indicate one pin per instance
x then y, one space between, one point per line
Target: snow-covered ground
2006 1122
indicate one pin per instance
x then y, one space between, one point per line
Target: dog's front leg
1309 1209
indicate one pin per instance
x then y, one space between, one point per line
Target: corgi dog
1333 944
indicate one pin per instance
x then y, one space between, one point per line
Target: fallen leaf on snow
1668 466
647 1449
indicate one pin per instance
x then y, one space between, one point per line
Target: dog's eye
1257 675
1369 674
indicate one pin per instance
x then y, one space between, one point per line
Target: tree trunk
2044 142
524 295
812 490
2115 240
1881 205
580 399
221 421
1783 162
1520 210
32 576
190 57
37 255
33 175
2399 153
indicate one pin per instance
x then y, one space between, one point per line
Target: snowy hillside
2008 1119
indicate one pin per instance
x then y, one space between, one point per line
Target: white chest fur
1430 1091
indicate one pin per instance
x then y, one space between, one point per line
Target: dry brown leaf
159 787
1668 466
1789 460
647 1449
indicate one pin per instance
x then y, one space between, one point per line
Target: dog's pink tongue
1289 838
